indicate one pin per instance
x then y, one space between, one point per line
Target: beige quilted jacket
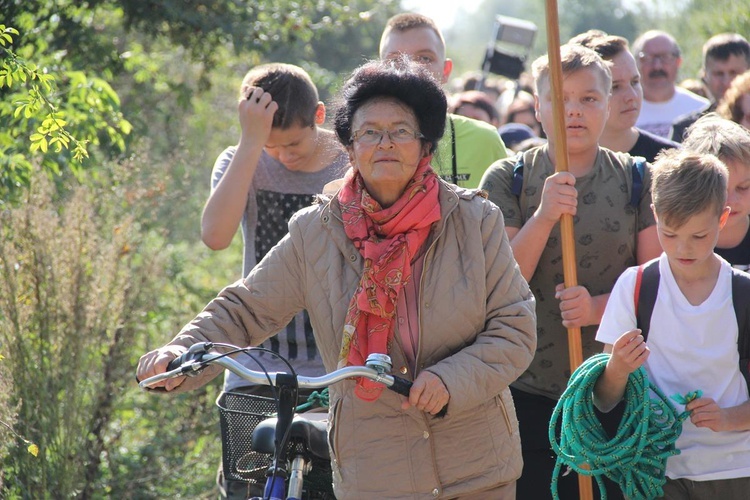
478 334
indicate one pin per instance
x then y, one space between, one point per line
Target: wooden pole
575 349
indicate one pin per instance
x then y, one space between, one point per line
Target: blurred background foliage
111 115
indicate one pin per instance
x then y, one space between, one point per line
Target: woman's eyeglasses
373 136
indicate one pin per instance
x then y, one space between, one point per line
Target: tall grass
89 281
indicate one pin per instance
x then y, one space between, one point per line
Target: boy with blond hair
730 142
613 231
693 333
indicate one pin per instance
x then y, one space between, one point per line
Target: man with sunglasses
658 58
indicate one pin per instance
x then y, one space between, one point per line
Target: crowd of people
426 225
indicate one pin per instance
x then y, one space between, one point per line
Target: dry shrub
76 277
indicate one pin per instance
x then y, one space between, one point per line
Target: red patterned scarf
388 239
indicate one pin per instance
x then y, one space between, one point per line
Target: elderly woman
397 262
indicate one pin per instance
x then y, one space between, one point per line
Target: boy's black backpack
647 286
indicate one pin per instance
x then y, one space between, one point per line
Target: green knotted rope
314 399
636 457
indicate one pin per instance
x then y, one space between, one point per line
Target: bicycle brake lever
186 364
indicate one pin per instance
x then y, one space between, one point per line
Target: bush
88 282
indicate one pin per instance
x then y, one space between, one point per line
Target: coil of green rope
636 457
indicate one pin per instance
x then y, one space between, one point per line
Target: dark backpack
647 287
639 165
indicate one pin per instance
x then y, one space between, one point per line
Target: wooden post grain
575 349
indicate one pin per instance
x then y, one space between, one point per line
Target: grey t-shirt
275 194
606 232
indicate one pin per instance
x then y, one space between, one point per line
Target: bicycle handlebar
197 358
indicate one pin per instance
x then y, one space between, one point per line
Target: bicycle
292 441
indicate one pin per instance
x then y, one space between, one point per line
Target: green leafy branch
52 131
58 113
30 447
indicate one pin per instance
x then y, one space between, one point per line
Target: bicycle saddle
312 434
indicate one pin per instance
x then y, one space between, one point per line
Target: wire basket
239 414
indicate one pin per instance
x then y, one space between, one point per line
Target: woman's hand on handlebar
155 362
428 394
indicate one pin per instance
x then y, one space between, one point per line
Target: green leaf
126 127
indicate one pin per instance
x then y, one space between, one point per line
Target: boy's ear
724 217
320 114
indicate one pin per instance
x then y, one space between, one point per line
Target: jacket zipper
421 287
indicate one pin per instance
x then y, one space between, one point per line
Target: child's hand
629 352
256 115
704 412
559 197
576 306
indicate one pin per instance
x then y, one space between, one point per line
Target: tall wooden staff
575 349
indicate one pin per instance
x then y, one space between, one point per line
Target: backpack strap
517 185
741 303
639 168
646 289
638 172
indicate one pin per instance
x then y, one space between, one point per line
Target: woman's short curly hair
400 79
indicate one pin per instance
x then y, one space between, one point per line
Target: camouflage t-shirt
606 229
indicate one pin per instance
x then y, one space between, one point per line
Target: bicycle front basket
239 414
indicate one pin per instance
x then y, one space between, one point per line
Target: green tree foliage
699 20
84 288
610 16
50 120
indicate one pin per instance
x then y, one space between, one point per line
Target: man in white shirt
658 58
